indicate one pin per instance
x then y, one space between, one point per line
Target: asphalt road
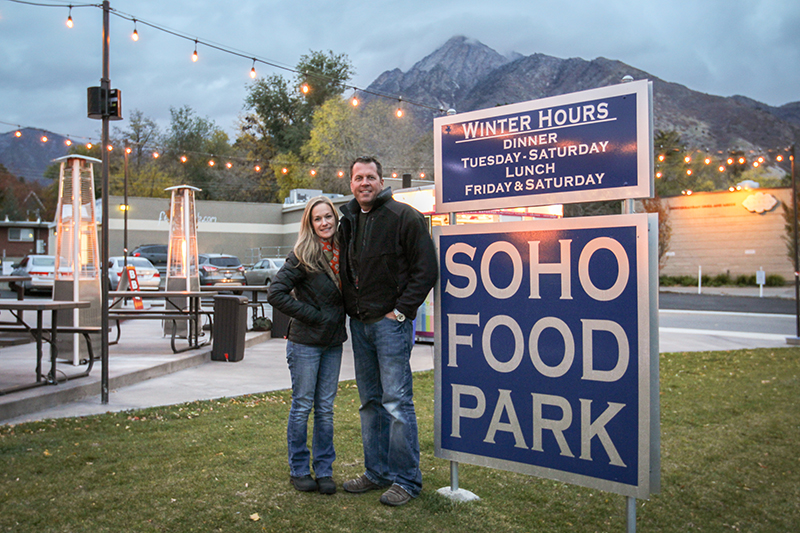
738 304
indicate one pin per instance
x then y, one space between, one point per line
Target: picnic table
173 311
18 307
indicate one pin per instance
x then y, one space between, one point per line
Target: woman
307 288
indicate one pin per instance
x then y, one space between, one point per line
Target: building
734 233
18 239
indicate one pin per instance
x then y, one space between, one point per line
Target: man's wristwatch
399 316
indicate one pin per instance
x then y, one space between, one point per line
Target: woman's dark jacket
316 309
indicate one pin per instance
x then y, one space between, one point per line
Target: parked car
155 253
41 270
147 275
263 272
221 269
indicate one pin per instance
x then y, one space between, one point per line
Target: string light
253 70
285 170
229 164
194 54
304 88
70 24
257 168
313 172
18 133
109 148
184 159
68 142
211 162
135 34
155 155
354 100
341 174
44 138
89 146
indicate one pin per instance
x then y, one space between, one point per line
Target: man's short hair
367 159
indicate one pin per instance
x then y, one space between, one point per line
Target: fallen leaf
254 517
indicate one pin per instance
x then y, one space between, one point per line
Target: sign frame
642 123
644 274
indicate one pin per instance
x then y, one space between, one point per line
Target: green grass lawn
730 462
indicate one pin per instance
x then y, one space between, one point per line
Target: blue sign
586 146
543 361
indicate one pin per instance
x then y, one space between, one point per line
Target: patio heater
77 267
182 272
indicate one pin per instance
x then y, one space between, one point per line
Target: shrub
745 280
775 280
688 281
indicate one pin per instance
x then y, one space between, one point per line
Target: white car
146 274
40 268
263 272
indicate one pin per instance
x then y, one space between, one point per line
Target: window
20 234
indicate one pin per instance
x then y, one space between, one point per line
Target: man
389 268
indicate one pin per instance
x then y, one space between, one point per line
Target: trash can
230 326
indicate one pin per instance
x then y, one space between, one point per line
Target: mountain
466 75
27 156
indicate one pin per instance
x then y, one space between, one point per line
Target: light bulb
135 35
88 146
285 170
44 138
399 113
305 88
183 159
354 101
253 73
257 168
229 164
194 54
69 18
68 142
211 162
19 134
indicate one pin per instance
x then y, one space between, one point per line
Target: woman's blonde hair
308 248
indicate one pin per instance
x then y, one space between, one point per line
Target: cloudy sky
722 47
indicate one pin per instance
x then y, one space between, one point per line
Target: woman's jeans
382 354
315 380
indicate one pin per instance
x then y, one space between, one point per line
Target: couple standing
378 265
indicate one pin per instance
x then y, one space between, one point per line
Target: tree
142 136
340 133
280 113
200 141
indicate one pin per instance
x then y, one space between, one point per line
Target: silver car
40 268
263 272
147 275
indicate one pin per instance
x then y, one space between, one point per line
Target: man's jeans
388 421
315 380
